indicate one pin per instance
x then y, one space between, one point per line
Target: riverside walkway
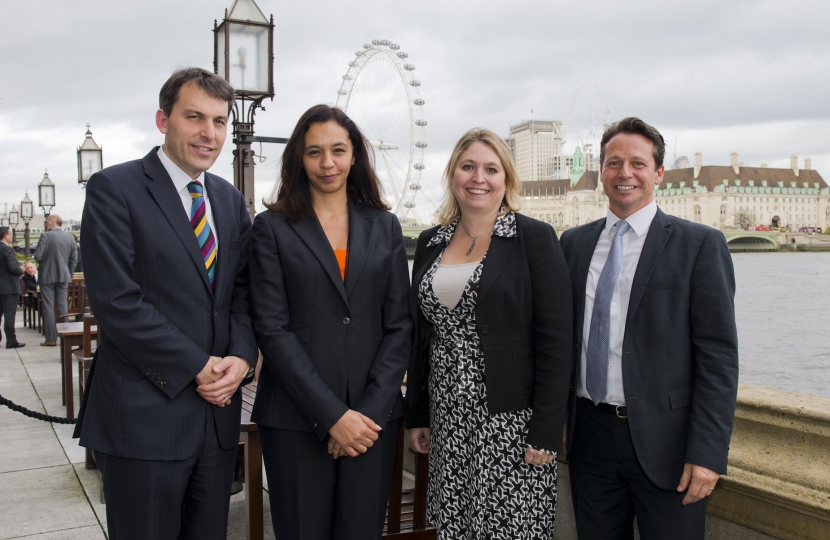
46 493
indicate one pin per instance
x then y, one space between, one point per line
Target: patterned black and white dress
479 485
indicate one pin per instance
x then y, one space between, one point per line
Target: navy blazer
329 346
149 290
524 323
9 270
680 349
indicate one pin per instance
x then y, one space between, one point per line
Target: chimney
684 162
698 163
735 165
808 164
794 164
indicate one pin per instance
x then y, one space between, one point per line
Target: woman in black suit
491 360
330 286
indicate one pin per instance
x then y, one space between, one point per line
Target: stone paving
46 493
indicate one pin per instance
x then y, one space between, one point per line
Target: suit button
346 320
162 384
485 329
215 314
149 373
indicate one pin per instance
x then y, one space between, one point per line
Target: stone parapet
779 465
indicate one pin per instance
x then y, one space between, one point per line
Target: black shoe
16 346
236 487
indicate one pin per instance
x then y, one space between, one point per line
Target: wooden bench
406 513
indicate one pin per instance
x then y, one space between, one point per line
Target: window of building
697 214
723 213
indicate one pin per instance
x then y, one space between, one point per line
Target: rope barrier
36 415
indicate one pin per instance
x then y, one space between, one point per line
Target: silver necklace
473 245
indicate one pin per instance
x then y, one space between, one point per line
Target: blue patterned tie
596 373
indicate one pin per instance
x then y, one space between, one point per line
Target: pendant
473 245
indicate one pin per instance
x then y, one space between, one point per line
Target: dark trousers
609 487
8 303
170 500
315 497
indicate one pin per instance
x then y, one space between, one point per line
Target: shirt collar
505 227
177 175
639 221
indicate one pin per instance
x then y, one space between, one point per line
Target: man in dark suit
30 276
9 287
162 406
57 255
656 356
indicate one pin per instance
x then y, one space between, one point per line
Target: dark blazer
680 349
149 290
9 270
30 282
524 322
329 346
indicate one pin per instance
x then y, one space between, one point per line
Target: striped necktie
596 369
199 222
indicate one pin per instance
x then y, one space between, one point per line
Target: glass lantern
243 54
90 159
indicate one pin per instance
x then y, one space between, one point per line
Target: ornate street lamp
6 222
243 55
90 158
14 219
46 195
26 212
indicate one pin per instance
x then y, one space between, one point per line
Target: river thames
783 314
782 308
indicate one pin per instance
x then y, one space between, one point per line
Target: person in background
56 255
9 287
162 404
487 386
79 266
30 276
656 357
328 264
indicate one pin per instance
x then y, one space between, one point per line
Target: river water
782 308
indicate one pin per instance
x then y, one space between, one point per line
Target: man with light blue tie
656 358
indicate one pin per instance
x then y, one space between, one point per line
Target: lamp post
46 195
14 219
243 55
26 212
90 158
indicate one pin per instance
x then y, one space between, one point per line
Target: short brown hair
292 195
213 85
634 125
4 231
512 185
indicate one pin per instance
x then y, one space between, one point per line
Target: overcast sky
716 77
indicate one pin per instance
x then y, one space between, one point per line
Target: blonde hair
512 185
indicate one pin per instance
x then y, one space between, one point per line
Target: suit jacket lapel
658 234
166 196
583 266
313 236
499 252
222 219
361 236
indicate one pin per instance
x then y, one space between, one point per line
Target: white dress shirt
633 242
180 180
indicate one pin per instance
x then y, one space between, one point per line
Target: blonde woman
491 358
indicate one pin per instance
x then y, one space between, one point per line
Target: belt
619 410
